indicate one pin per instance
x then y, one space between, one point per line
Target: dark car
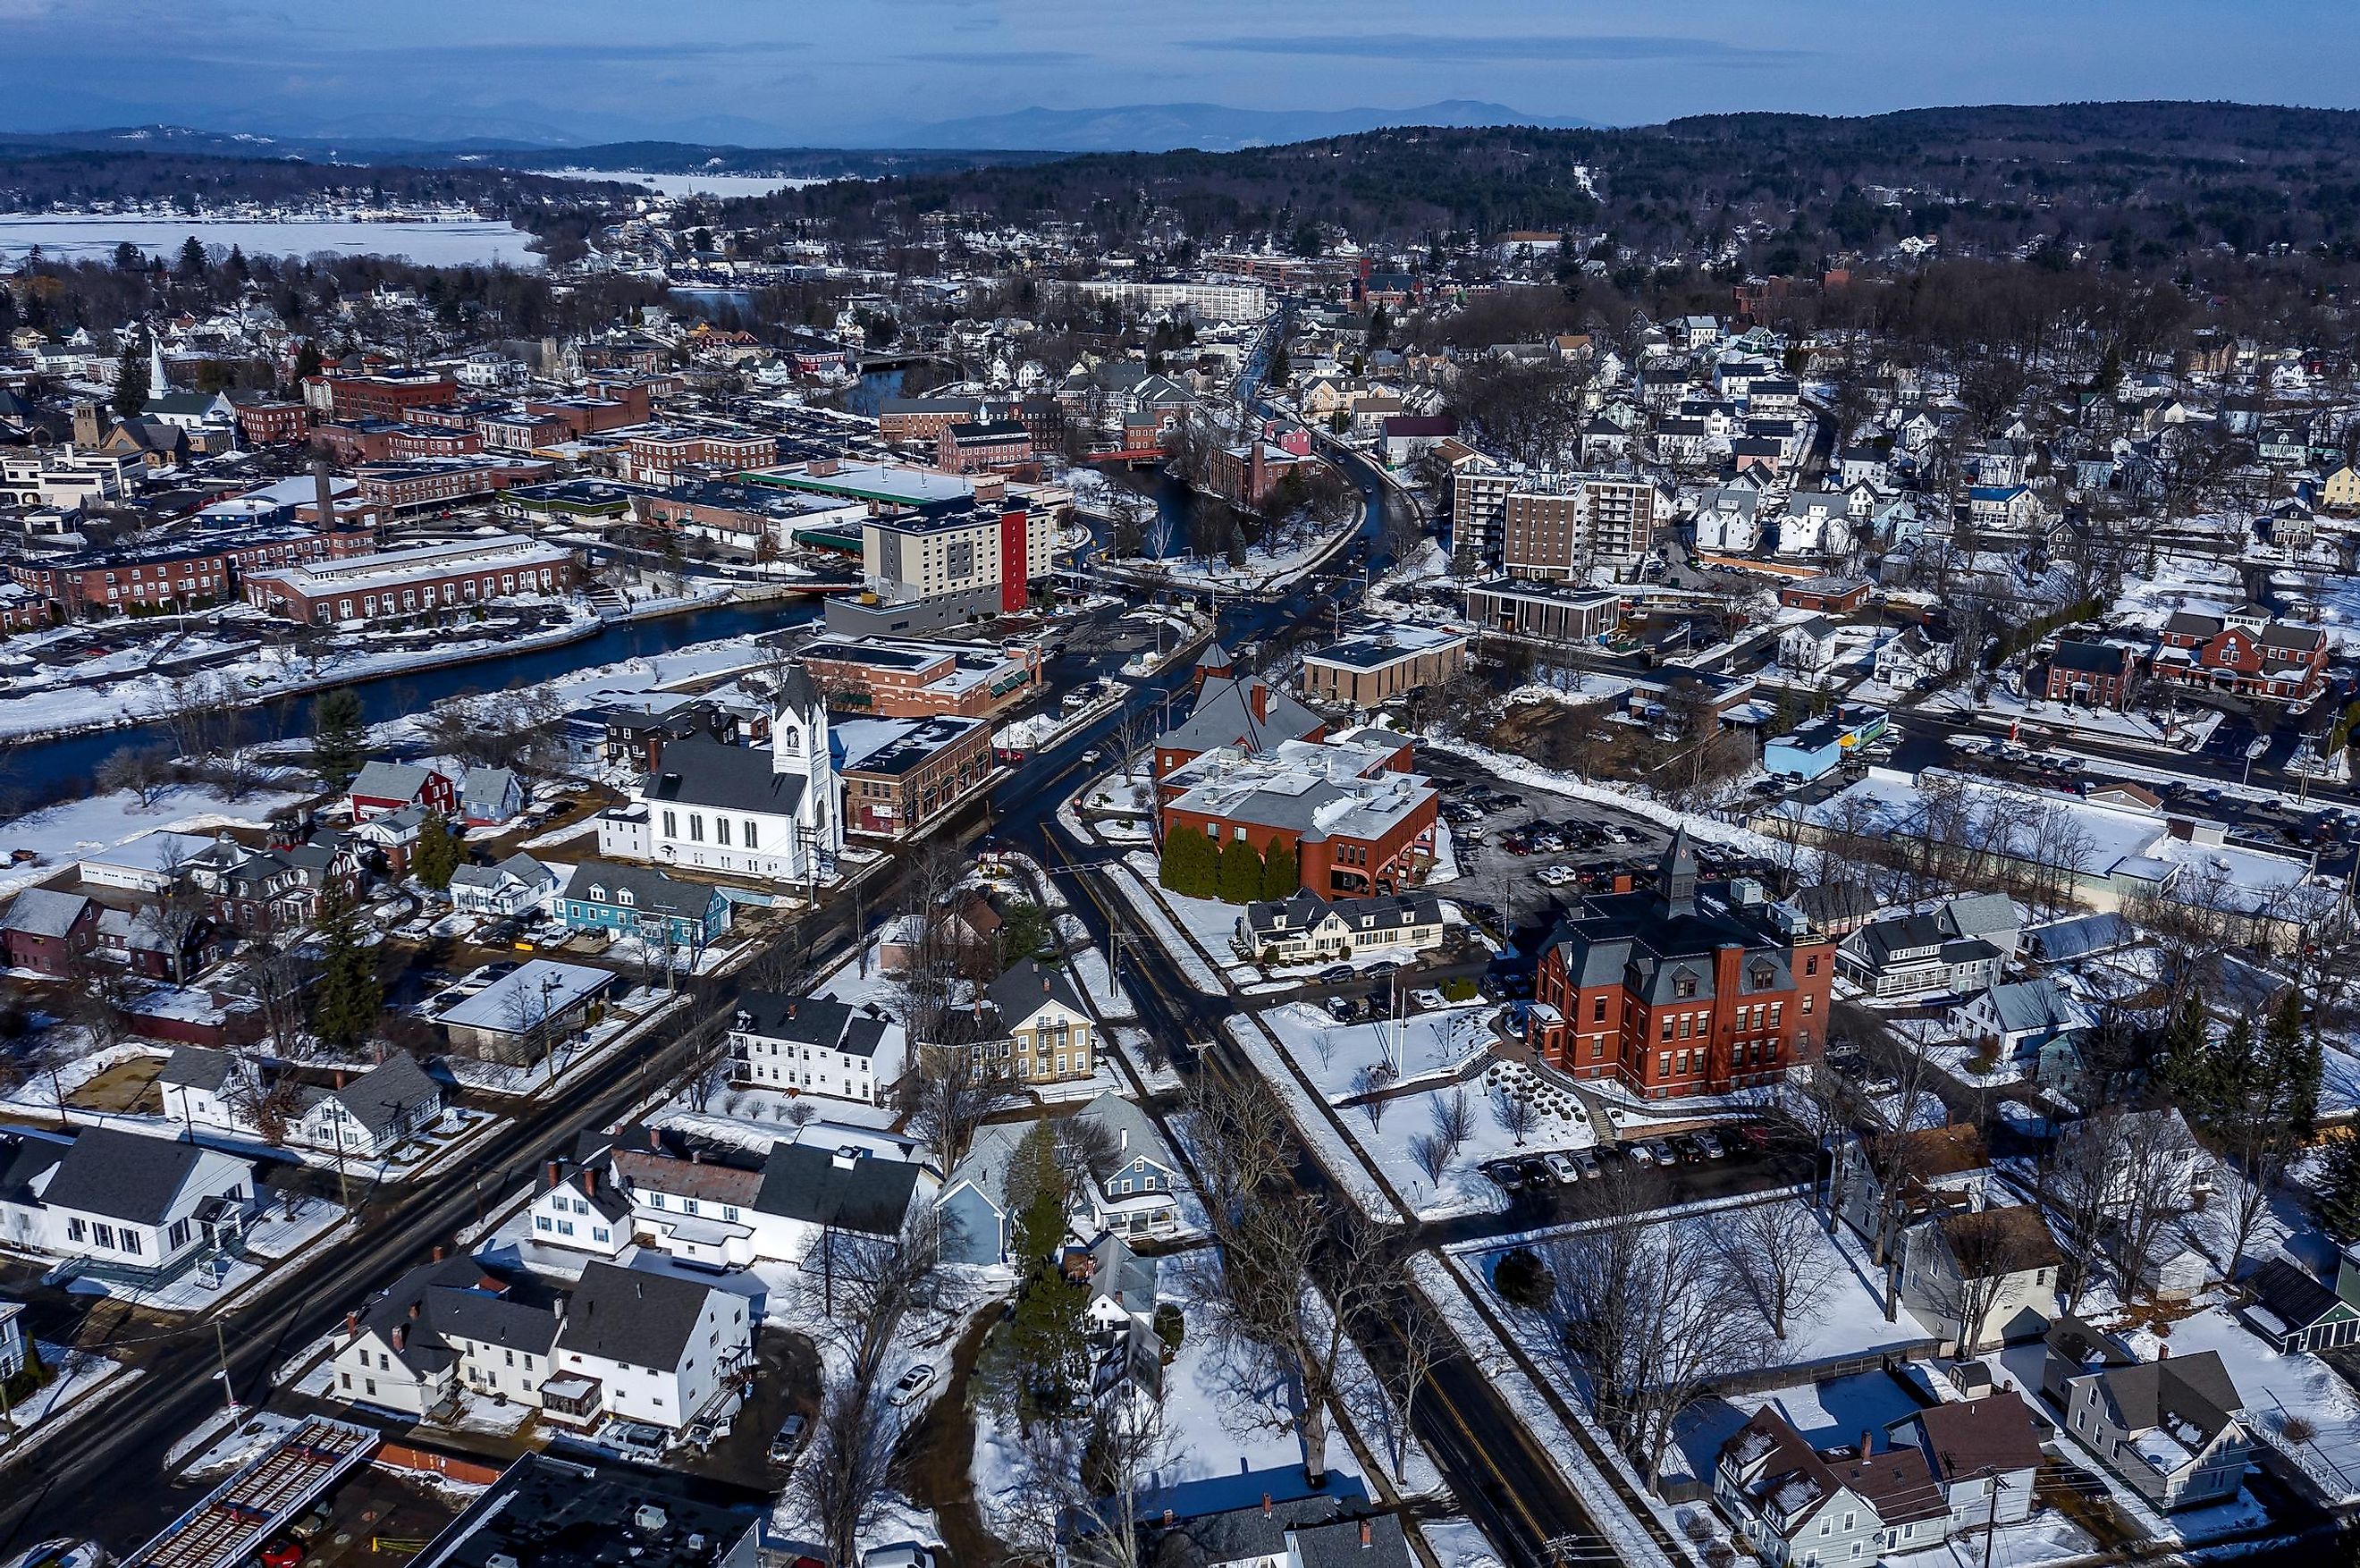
1507 1174
1381 968
1336 974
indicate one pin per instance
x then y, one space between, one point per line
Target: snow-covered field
1396 1052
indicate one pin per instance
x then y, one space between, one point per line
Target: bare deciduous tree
1777 1254
1516 1116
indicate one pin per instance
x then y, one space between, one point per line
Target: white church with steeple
737 810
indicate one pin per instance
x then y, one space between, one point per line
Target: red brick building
924 419
896 679
1358 821
2246 651
1682 989
271 423
398 584
922 769
381 441
1247 712
1828 595
661 456
430 482
162 577
2097 674
388 396
1247 474
591 415
982 447
524 433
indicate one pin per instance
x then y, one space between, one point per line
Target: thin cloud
1500 49
999 57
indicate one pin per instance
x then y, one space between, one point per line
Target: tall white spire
159 383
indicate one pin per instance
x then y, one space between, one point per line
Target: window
1667 1026
721 831
345 1379
601 1233
543 1223
671 825
1664 1065
1807 1006
695 828
1686 985
750 833
1811 965
582 1205
688 1205
1688 1028
76 1230
102 1235
131 1241
655 1200
1775 1009
178 1236
565 1227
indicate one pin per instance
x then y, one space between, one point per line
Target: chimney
1265 1505
438 1251
412 1313
1867 1441
323 494
551 1171
400 1336
1367 1536
2163 1353
1257 700
352 1325
1167 1519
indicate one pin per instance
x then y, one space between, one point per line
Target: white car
1564 1169
913 1384
908 1554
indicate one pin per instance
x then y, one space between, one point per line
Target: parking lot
1755 1157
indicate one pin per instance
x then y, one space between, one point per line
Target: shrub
1523 1279
1459 989
2297 1429
1171 1327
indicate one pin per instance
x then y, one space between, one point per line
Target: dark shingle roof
1024 987
701 772
632 1316
811 1020
856 1192
122 1175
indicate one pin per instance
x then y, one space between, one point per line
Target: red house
2247 651
1828 595
384 787
46 931
1679 990
2096 674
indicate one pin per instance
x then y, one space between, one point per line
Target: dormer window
598 893
1685 984
623 896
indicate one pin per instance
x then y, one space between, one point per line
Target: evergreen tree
1182 865
308 362
339 736
2183 1061
2291 1065
350 995
1241 872
1280 369
2339 1189
1045 1365
131 388
1280 875
193 260
439 853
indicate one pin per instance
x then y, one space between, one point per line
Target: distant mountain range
1211 127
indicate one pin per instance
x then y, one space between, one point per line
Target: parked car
908 1554
914 1383
1506 1175
637 1439
792 1432
1340 1009
1381 969
1587 1163
1536 1172
1663 1152
1639 1154
1564 1169
1712 1147
1336 974
280 1551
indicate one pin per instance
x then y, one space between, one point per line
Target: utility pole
221 1348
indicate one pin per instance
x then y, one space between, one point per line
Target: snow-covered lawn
1400 1052
60 835
1847 1319
72 1373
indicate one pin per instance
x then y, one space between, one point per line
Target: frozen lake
698 184
453 244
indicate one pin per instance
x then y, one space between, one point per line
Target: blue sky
856 71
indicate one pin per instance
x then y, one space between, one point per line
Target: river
50 771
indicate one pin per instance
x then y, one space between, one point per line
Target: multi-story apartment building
1561 525
1218 299
1682 989
116 582
387 395
429 482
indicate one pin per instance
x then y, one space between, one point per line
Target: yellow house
2341 492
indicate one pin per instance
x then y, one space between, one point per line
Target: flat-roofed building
1369 671
394 584
900 773
895 678
1542 613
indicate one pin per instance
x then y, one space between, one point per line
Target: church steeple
1675 875
159 383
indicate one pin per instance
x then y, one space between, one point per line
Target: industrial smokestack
323 494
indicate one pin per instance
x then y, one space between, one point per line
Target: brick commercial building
397 584
2096 674
1246 475
1369 671
1542 613
900 773
979 447
622 403
429 482
524 433
661 457
894 679
269 421
971 560
913 419
2246 651
1358 821
388 396
1246 712
379 441
1685 988
1560 525
164 576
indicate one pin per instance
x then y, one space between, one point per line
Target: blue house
640 900
1816 747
